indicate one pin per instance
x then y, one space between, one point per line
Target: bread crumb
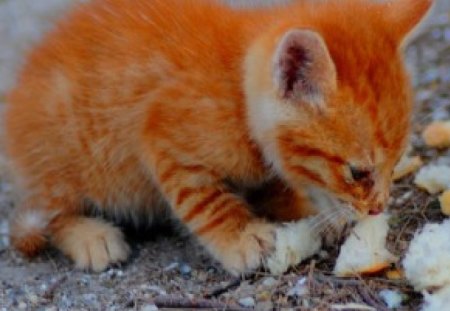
437 134
444 199
427 261
364 251
394 274
433 178
406 166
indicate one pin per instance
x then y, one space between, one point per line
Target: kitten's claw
247 253
92 244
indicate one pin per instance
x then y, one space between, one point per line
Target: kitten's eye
359 174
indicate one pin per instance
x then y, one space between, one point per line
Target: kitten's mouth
374 212
372 209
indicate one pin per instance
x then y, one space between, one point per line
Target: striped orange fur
128 103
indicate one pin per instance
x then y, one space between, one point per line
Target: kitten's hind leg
91 243
29 228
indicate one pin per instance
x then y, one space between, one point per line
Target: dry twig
223 289
369 299
50 292
170 302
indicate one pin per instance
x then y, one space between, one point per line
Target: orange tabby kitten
128 102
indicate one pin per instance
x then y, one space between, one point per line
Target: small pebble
269 282
44 287
430 75
300 289
85 280
154 288
392 298
22 305
447 34
4 234
423 95
436 34
171 267
149 307
91 300
66 302
247 302
185 270
33 298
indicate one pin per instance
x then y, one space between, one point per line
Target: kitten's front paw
92 244
276 247
294 242
247 252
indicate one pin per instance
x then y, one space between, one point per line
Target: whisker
323 220
322 216
333 221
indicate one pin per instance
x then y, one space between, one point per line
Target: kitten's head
330 101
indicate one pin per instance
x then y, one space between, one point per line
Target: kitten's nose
376 209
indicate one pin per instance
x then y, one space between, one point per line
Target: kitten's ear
303 68
402 16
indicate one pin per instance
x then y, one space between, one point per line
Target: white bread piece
427 261
438 301
444 200
437 134
406 166
433 178
295 242
365 251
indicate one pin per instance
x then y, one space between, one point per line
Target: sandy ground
170 270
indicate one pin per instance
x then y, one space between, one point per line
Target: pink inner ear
294 63
304 70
